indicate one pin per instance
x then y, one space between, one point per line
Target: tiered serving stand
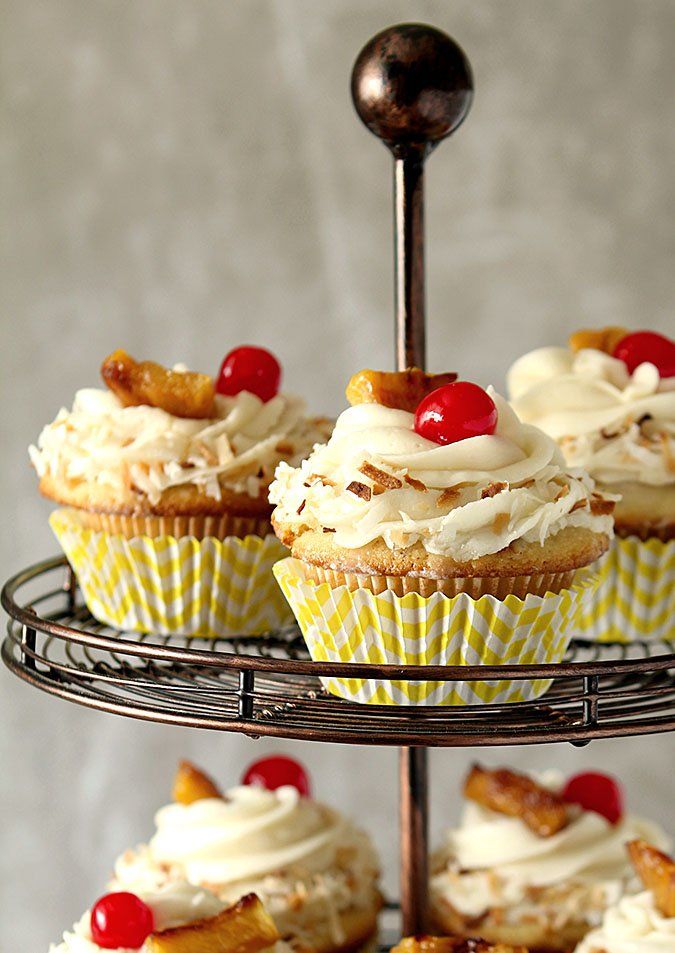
412 87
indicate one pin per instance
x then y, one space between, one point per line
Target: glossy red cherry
121 920
249 368
596 792
276 771
454 412
642 346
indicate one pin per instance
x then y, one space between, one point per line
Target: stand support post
409 261
413 815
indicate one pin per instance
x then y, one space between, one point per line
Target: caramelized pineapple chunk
402 390
516 795
183 394
244 928
656 870
447 944
190 784
600 339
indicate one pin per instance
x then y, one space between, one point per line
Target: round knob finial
412 86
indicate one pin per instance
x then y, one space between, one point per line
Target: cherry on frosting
454 412
597 792
249 368
275 772
647 346
121 920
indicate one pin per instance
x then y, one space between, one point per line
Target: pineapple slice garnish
656 870
190 784
446 944
516 795
183 394
600 339
402 390
244 928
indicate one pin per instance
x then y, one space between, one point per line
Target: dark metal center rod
414 835
411 352
409 260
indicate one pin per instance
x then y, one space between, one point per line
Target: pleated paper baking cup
201 527
498 586
168 586
344 625
636 596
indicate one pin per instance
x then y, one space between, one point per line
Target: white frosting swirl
494 860
251 833
634 925
173 905
537 496
619 426
147 450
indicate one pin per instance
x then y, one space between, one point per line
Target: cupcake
535 861
177 918
429 500
645 922
162 478
315 872
449 944
609 401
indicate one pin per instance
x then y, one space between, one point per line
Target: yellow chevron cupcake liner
636 596
343 625
169 586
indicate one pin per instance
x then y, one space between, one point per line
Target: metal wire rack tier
267 685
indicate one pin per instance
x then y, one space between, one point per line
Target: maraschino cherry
647 347
121 920
454 412
249 368
597 792
275 772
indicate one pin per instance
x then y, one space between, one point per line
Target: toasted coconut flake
656 870
500 522
492 489
360 489
318 478
516 795
415 484
387 480
601 506
449 495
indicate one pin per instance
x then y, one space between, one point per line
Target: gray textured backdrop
179 177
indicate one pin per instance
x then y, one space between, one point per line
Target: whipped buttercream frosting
492 860
634 925
173 905
617 425
305 861
145 450
252 833
465 500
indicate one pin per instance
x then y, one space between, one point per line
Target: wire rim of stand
268 685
